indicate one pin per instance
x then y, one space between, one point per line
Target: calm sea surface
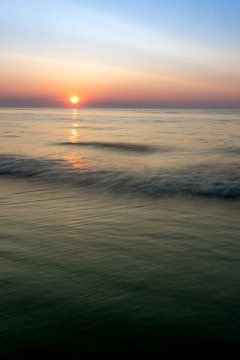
119 230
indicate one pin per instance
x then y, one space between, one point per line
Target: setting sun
74 99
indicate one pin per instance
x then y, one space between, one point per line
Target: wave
233 150
142 148
220 182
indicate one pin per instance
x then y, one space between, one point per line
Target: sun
74 99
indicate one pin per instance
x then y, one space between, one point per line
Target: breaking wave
220 182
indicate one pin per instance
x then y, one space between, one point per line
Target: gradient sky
120 53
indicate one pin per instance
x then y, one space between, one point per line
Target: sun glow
74 99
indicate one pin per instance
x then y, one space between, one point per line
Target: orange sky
118 62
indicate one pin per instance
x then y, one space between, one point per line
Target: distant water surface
119 230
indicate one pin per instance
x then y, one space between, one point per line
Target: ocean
119 230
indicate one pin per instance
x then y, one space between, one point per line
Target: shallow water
119 230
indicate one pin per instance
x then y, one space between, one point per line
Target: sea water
119 230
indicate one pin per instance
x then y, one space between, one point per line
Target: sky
120 53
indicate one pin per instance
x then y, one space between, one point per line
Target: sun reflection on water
74 132
74 158
76 162
74 135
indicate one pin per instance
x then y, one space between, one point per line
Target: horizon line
237 107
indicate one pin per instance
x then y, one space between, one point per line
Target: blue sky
105 45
